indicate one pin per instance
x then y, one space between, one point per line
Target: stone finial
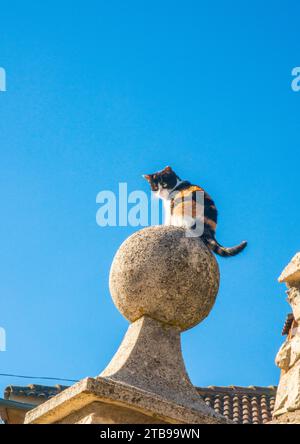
164 283
161 273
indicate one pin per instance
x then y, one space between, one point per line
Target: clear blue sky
100 92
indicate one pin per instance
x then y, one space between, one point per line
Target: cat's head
165 179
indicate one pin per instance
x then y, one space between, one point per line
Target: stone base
103 401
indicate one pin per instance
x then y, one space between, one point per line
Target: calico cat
183 208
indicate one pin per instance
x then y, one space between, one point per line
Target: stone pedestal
102 401
150 359
163 282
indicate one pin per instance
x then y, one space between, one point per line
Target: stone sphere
162 273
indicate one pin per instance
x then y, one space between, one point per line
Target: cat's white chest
163 193
167 212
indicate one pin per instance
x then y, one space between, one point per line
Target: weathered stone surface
150 359
291 273
294 301
288 392
160 272
103 394
105 413
288 356
287 418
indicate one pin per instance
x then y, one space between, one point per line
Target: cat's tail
223 251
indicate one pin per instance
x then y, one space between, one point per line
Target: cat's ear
147 177
168 169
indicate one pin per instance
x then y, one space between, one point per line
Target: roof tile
243 405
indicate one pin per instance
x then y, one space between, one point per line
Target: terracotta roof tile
243 405
39 392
